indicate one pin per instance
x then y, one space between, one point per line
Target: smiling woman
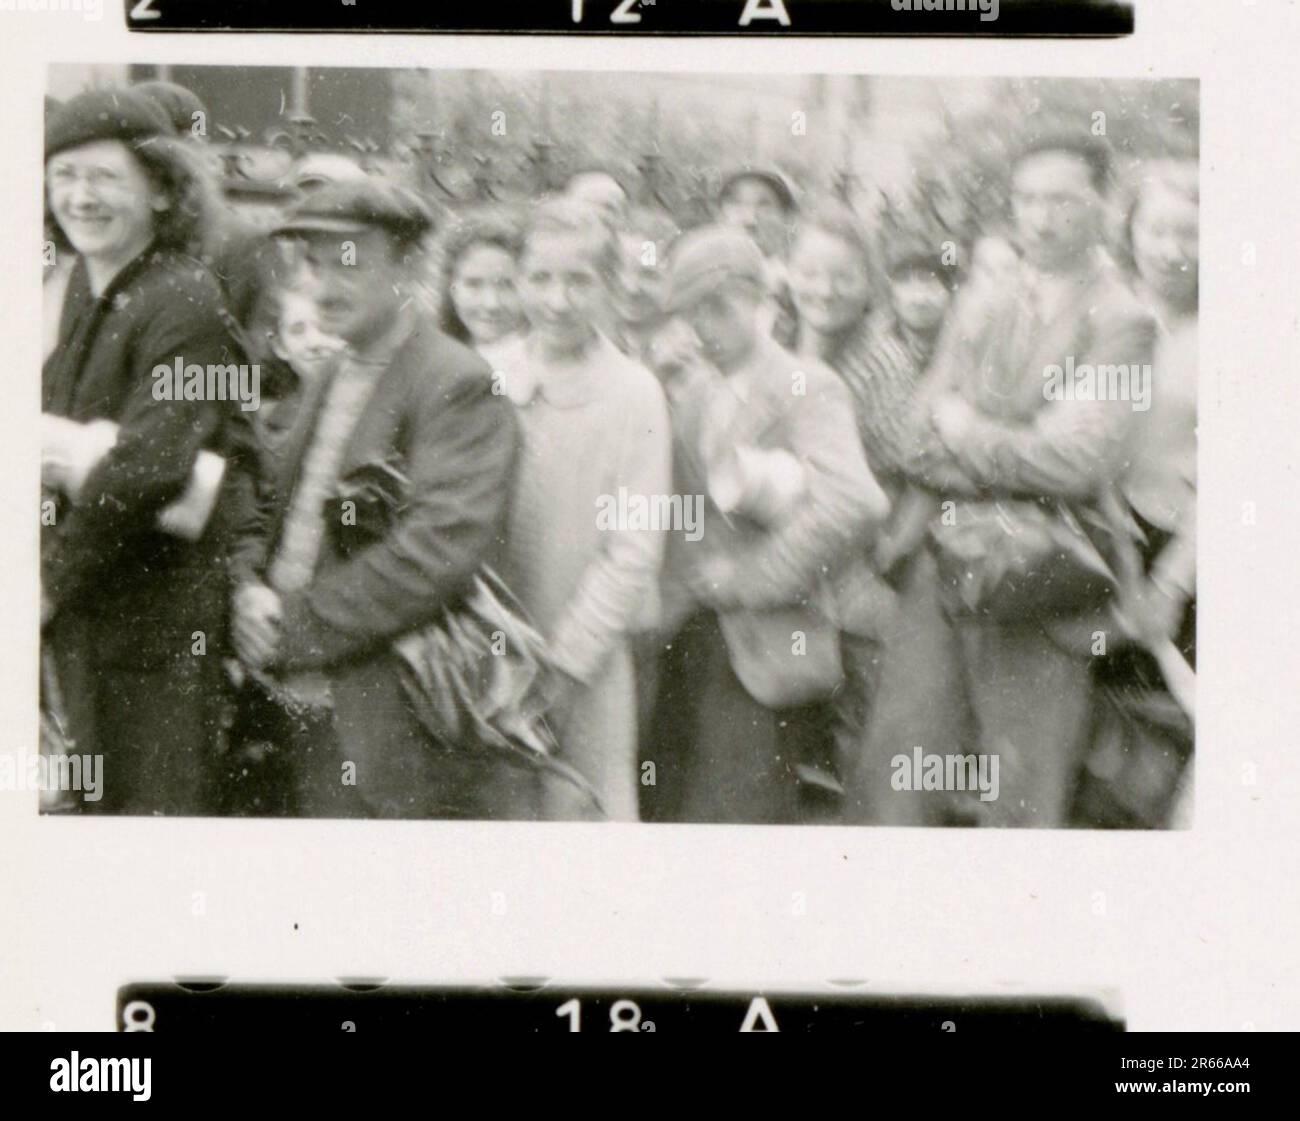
133 616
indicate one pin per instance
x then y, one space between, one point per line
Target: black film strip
534 1005
733 18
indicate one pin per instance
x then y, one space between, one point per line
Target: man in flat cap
333 575
789 494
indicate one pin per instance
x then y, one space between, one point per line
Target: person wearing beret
134 616
329 581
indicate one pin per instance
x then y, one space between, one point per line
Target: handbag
1010 560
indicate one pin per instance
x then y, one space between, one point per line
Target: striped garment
882 371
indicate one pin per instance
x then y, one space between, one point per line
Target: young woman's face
103 200
1166 244
299 339
561 288
483 292
828 280
920 301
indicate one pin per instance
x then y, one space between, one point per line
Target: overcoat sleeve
462 446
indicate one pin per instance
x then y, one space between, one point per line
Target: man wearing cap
135 616
789 494
331 577
760 202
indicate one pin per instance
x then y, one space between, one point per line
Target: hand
1149 613
54 471
951 417
713 582
256 624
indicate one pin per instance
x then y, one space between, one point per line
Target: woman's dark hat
104 114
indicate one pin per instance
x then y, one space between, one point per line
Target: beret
104 114
179 103
355 205
769 176
706 257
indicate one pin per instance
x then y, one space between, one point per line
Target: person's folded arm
840 503
922 456
1071 448
158 442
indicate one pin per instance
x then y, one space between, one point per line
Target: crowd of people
772 501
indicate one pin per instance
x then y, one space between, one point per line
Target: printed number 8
624 1016
138 1015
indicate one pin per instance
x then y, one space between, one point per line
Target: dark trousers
719 755
158 731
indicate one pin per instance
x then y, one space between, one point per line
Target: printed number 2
622 14
144 10
138 1015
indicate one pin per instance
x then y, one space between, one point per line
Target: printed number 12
622 14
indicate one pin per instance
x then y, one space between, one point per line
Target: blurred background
933 149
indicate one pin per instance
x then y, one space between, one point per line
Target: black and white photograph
684 516
663 447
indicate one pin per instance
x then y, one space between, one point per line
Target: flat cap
706 257
104 114
768 176
355 206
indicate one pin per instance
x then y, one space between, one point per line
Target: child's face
726 321
642 289
561 288
920 300
828 280
483 292
299 339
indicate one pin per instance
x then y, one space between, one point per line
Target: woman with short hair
596 440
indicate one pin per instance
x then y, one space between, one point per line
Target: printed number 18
624 1015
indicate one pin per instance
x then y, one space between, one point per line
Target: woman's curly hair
176 170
